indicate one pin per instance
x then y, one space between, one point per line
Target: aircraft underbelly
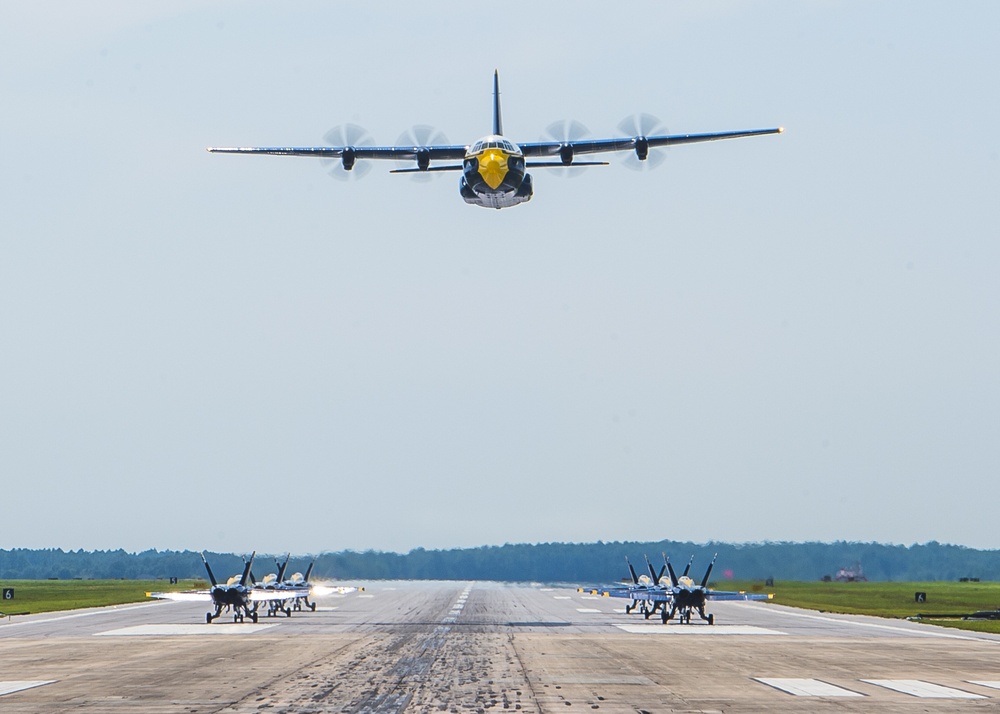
504 196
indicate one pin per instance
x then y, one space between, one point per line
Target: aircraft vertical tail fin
631 570
652 570
282 567
497 123
246 570
211 575
670 569
688 568
704 581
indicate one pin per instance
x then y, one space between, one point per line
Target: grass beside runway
34 596
886 599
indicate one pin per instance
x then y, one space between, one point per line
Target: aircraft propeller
640 126
348 135
420 136
564 131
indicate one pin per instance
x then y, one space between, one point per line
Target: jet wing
187 596
599 146
320 590
649 594
260 595
731 595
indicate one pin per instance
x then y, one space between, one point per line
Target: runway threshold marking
11 687
707 630
992 684
924 690
807 687
200 629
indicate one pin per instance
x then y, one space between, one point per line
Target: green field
886 599
33 596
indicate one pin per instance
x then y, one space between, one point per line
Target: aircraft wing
258 595
187 596
649 594
392 153
599 146
732 595
321 590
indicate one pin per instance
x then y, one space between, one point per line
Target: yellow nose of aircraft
493 167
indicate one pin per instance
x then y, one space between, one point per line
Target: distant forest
545 562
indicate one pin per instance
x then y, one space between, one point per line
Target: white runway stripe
807 687
992 684
201 629
924 690
695 630
11 687
586 609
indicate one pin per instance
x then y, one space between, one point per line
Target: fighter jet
235 596
299 587
681 596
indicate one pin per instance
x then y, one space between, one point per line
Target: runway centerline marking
924 690
586 609
11 687
807 687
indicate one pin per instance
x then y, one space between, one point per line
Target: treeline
545 562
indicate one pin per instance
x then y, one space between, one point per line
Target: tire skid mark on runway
421 667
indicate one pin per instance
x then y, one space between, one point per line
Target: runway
471 647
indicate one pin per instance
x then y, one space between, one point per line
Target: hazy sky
791 337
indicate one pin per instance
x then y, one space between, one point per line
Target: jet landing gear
275 607
684 615
238 615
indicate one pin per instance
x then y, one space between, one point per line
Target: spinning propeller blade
565 131
420 137
349 136
639 126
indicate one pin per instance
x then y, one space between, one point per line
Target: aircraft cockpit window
507 146
476 148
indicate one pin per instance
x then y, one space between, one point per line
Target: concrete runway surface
471 647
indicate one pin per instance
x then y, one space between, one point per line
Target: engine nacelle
641 147
348 157
566 154
423 159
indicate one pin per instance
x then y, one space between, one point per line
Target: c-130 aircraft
494 168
